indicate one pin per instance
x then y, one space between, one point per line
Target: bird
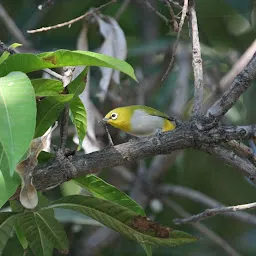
139 120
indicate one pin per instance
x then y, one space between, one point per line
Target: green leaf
48 111
43 232
70 188
13 247
18 116
118 218
101 189
4 56
147 248
7 220
78 117
27 62
17 207
8 184
15 45
77 86
47 87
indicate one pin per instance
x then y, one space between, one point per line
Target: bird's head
119 118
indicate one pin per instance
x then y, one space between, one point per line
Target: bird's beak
104 120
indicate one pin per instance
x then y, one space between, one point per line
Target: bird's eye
114 116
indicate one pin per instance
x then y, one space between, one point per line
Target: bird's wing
171 119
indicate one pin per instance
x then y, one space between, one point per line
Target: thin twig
241 83
53 73
161 16
66 79
199 197
12 27
122 9
70 22
196 61
173 17
183 16
203 229
215 211
239 65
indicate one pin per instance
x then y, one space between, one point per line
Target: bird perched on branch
139 120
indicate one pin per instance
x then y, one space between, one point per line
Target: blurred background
131 30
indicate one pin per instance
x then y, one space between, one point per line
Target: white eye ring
114 116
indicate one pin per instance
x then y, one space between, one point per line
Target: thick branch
241 83
55 173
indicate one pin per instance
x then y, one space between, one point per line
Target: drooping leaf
7 220
47 87
26 62
78 117
17 116
114 45
48 111
43 232
101 189
118 218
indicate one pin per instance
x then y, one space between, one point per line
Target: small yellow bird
139 120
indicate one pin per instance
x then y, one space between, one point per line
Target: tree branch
185 136
196 61
215 211
241 83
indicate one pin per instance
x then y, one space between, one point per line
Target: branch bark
185 136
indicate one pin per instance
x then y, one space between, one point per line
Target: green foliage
78 117
48 111
47 87
7 220
27 62
77 86
18 116
119 218
101 189
6 54
37 230
77 109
